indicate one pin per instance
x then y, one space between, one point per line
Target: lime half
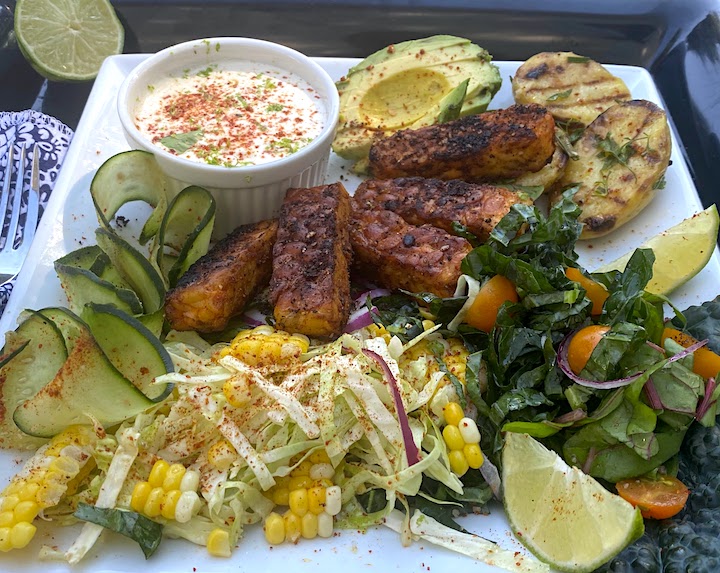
67 40
563 516
681 251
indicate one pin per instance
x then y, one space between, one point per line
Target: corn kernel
298 501
188 504
221 455
453 413
26 511
293 526
333 500
300 482
427 324
469 431
458 463
473 455
280 495
322 483
9 502
322 471
325 525
453 437
29 492
158 473
319 456
190 481
5 542
139 497
7 518
309 526
169 503
153 504
173 477
66 467
316 500
274 528
21 534
237 392
302 469
218 543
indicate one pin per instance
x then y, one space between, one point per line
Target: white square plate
69 223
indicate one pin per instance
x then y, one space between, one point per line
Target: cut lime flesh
67 40
681 251
563 516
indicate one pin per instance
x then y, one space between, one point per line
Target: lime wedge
564 517
67 40
681 251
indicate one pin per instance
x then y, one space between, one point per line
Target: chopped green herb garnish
181 142
577 60
560 95
275 107
151 88
242 100
207 71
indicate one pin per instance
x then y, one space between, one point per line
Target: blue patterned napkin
53 138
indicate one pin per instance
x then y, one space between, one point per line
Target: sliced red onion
253 317
360 319
491 475
411 450
706 402
605 385
610 384
372 293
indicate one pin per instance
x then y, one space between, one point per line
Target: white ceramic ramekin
244 194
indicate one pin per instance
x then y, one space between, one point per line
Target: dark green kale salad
635 408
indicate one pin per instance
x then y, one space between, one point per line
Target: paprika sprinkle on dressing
229 117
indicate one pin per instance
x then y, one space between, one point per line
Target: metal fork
12 256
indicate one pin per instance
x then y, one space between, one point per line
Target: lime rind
67 40
563 516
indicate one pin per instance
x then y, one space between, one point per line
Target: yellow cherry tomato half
582 345
657 498
705 361
492 295
596 292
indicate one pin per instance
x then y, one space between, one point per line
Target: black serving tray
678 41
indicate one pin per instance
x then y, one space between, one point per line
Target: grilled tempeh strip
219 285
398 255
490 146
478 207
310 286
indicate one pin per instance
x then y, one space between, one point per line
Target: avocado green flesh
410 85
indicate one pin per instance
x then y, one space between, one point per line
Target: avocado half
410 85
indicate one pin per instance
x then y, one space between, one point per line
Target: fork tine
17 199
31 219
6 187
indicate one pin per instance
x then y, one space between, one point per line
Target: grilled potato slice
548 175
574 89
622 158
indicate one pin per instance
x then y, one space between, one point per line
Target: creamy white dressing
231 118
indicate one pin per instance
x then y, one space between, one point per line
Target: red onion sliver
411 451
705 404
360 319
372 293
610 384
605 385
